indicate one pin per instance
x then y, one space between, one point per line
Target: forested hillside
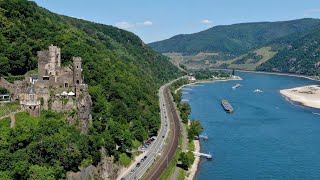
233 39
123 76
298 53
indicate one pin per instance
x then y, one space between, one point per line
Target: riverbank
194 168
306 95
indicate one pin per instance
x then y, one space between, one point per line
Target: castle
52 83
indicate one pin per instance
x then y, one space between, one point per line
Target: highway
156 148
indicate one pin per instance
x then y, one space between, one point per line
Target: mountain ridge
229 38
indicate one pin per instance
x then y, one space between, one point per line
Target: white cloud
310 12
128 25
124 25
206 22
147 23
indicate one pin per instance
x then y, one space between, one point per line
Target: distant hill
233 39
298 53
123 76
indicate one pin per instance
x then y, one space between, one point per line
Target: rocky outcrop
84 105
107 169
87 173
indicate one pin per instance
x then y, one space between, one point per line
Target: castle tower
77 71
48 62
55 56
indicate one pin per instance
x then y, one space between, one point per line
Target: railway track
166 157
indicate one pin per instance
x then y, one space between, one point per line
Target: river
266 137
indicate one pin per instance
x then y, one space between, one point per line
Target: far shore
274 73
235 78
306 95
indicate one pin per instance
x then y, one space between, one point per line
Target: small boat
258 91
227 106
236 86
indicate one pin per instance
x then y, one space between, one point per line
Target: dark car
145 157
138 164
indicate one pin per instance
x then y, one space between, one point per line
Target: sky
157 20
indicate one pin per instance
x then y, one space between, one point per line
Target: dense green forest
123 76
233 39
297 53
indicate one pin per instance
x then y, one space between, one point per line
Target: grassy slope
202 61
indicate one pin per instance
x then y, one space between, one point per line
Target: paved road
161 165
155 149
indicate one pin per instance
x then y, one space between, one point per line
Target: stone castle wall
63 104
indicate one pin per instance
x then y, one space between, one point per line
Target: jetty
208 156
204 137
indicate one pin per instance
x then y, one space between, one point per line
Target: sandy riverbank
306 95
194 168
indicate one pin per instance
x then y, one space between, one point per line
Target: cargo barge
227 106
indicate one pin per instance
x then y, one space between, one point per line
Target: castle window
77 67
77 74
66 85
45 78
78 82
32 97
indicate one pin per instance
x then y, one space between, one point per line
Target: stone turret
30 102
49 61
55 56
77 71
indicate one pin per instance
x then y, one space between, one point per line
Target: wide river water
266 137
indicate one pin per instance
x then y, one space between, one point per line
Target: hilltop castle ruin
56 88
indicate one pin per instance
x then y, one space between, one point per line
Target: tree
3 90
186 159
195 129
41 173
4 64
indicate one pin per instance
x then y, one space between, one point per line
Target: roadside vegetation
182 159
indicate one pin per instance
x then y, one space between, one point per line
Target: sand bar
306 95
